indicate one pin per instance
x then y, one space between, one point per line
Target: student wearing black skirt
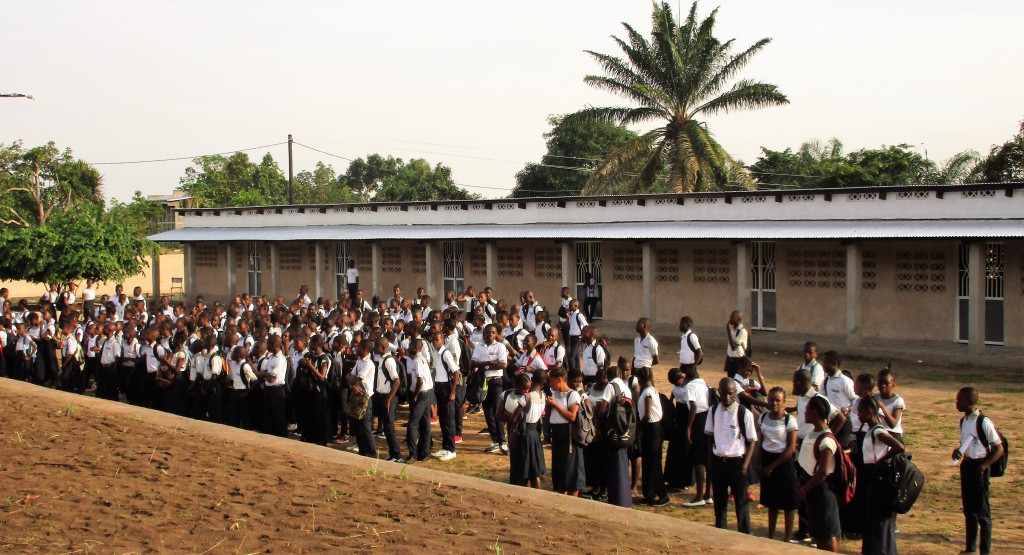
595 455
617 462
697 399
877 447
777 468
522 409
678 470
815 466
567 472
651 438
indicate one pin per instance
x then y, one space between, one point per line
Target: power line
184 157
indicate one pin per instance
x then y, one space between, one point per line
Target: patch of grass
404 474
496 548
335 494
372 470
70 411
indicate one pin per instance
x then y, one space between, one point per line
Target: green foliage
366 177
140 214
679 75
572 143
89 243
44 180
1004 162
417 181
235 181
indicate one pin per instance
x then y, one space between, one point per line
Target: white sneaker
439 453
493 448
447 456
504 448
699 503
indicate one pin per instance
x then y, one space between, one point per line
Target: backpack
668 414
465 359
696 361
903 481
358 402
62 302
620 425
583 430
335 380
403 376
741 420
518 427
602 344
998 467
843 480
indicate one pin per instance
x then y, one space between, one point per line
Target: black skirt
567 472
678 470
595 461
779 491
526 459
822 510
699 448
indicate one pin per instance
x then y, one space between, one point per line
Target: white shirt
419 371
649 396
351 276
723 425
528 316
530 362
839 390
88 294
817 372
365 370
553 354
775 433
540 331
152 362
215 366
442 358
872 448
495 352
596 395
644 351
609 390
807 460
387 373
679 394
891 404
70 347
739 337
277 366
566 400
577 321
687 356
697 393
195 370
969 433
801 405
593 358
746 384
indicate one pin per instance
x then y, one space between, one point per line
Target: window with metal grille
255 273
342 256
453 272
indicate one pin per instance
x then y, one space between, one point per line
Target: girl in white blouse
878 446
567 471
775 464
651 438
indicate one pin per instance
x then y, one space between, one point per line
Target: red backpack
843 480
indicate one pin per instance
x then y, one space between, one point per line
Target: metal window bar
453 265
963 272
994 271
342 256
254 269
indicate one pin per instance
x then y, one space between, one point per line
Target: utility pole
291 173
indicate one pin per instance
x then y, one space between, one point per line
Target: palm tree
677 77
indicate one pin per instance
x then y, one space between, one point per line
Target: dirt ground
82 476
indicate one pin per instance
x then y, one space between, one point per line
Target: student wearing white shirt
776 464
567 470
446 380
576 321
363 377
421 391
552 351
690 351
696 394
71 371
385 395
816 461
980 447
490 358
212 386
273 372
530 361
877 447
738 341
521 410
651 437
890 404
838 389
152 353
352 279
805 393
106 375
619 490
645 346
812 365
731 427
678 470
528 312
595 355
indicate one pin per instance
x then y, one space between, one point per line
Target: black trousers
446 415
364 433
106 382
491 407
572 356
417 431
977 513
650 461
726 475
460 410
386 413
274 401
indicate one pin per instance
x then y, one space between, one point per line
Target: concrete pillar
649 278
231 269
492 264
568 270
854 289
190 270
274 263
743 278
154 272
376 267
976 297
435 271
318 260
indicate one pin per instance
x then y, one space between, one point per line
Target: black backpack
335 380
903 481
583 430
998 468
403 376
601 344
668 415
62 301
465 359
620 425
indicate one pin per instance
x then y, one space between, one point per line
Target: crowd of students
330 372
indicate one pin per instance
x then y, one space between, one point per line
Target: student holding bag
877 447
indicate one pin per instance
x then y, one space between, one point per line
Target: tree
140 214
575 146
1004 162
417 181
676 78
321 186
37 182
235 181
366 177
72 245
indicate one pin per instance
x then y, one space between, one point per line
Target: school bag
603 345
518 427
583 430
465 359
689 345
668 415
843 480
403 376
998 467
620 426
62 302
335 381
358 402
903 481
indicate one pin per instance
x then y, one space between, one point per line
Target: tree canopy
40 181
575 146
678 77
1004 162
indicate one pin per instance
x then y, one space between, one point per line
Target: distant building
928 262
172 217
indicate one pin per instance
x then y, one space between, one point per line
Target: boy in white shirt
732 432
645 346
980 453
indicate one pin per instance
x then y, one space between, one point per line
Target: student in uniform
838 388
776 464
421 386
812 365
595 455
575 323
737 342
678 471
71 371
877 447
697 397
521 410
273 373
731 428
362 377
651 438
530 360
891 404
26 350
446 381
490 358
595 355
645 346
816 462
976 453
618 467
213 388
385 395
567 471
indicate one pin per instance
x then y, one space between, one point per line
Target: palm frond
619 166
744 95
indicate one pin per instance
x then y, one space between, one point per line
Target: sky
470 84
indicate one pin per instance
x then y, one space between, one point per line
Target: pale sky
470 84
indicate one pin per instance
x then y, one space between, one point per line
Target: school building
942 262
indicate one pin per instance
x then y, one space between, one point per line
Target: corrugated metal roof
773 229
